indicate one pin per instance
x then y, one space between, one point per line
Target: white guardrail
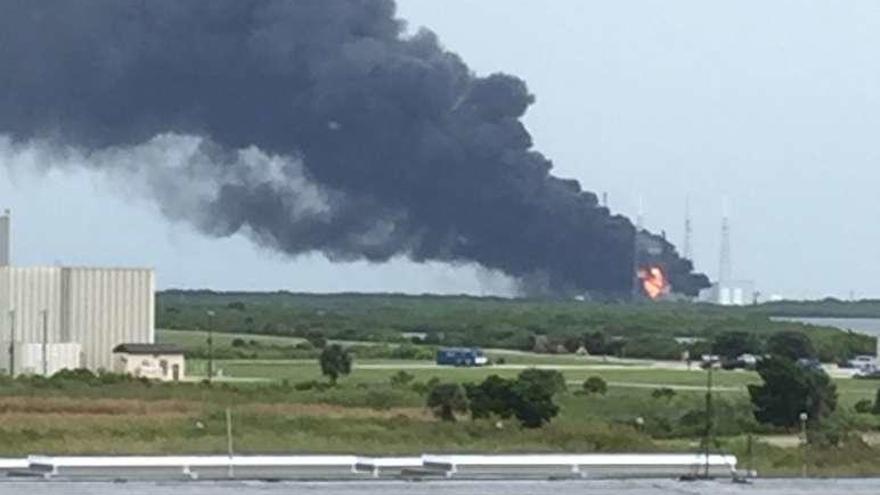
348 466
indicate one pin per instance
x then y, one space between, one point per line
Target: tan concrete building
163 362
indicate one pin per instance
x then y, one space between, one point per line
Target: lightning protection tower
725 265
688 231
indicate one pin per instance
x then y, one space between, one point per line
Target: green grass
194 338
366 415
627 379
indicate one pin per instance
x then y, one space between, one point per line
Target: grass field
192 339
365 414
627 375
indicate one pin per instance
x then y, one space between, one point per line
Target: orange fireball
654 282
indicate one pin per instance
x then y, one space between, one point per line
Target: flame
654 282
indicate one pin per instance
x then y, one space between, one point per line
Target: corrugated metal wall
97 307
106 307
31 292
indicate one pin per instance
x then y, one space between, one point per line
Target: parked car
742 362
869 371
860 362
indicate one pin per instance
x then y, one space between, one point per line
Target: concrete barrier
329 467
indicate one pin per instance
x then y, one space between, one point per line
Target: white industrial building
730 293
70 317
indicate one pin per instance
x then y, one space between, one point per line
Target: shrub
446 399
77 375
551 381
401 379
424 388
316 339
876 409
864 406
238 342
310 385
792 345
411 352
595 385
380 399
652 347
663 393
237 305
595 343
733 344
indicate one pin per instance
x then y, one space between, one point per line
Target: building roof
148 349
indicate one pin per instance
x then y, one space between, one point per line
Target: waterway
594 487
868 326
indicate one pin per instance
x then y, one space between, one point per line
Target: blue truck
461 356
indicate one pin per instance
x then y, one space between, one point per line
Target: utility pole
45 314
12 343
210 346
804 443
708 436
229 449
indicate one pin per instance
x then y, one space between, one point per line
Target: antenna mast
688 231
724 270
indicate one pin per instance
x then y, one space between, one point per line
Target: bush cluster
528 398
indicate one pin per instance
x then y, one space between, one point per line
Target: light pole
804 442
12 343
229 450
708 436
45 346
210 345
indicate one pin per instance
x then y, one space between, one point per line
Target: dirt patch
331 411
110 407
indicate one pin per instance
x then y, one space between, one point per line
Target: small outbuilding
164 362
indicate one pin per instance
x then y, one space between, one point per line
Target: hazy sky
774 105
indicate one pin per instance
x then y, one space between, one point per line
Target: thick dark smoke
312 125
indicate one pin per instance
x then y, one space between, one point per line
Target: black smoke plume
312 125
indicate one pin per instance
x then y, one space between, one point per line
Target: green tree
733 344
595 343
791 344
551 380
790 389
335 362
533 403
529 398
446 399
493 397
595 385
